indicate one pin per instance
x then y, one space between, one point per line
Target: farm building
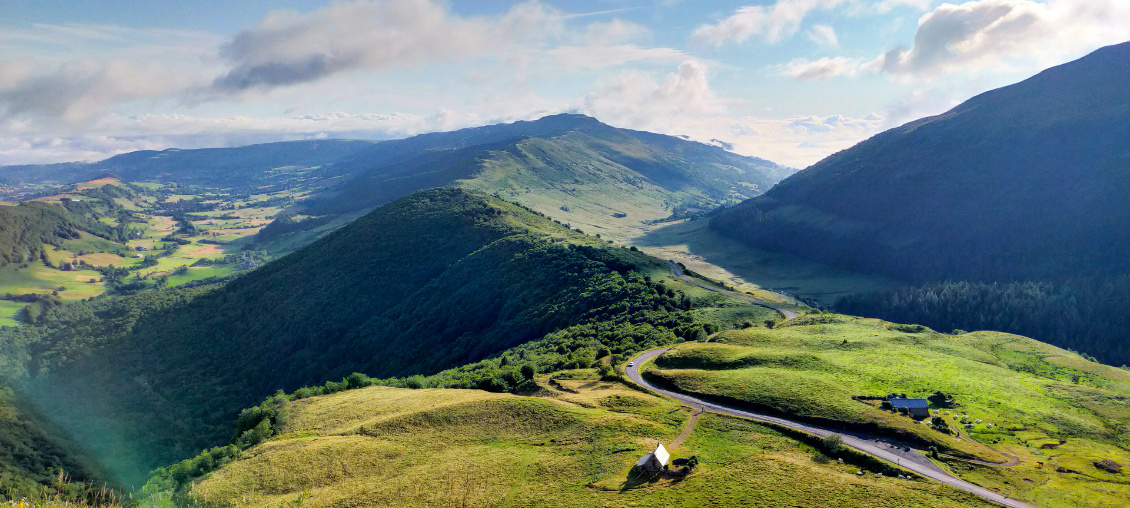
918 408
654 461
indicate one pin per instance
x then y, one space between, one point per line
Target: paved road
882 450
679 273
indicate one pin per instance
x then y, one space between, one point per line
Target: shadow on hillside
694 243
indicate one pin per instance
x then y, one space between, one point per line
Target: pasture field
8 312
381 446
215 238
692 243
41 279
1056 413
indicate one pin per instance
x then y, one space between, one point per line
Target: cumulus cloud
773 24
637 99
683 104
76 91
985 33
288 48
70 73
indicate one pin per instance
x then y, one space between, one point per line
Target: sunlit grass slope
1055 411
434 447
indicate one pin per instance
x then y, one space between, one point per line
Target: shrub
833 443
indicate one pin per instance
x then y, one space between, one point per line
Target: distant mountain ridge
1025 182
359 175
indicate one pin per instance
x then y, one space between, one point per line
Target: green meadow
573 445
1054 411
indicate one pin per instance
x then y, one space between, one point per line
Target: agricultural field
572 443
1049 415
159 246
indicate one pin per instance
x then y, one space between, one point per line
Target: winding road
887 451
679 273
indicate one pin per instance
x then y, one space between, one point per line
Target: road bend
679 273
881 449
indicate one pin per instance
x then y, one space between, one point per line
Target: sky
792 81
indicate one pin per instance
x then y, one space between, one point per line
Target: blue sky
788 80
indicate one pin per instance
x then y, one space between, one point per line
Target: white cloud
824 68
289 48
588 57
824 35
683 103
616 31
988 33
70 73
76 91
636 99
157 132
773 24
885 6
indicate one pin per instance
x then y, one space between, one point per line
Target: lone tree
528 371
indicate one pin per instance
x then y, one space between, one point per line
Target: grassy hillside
1024 183
25 229
606 177
395 447
1057 412
437 280
570 167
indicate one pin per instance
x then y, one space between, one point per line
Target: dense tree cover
434 281
1027 182
1024 183
288 224
33 455
1081 315
26 228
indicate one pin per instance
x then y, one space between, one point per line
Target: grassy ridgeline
434 281
1056 411
394 447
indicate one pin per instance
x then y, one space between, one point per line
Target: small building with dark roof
918 408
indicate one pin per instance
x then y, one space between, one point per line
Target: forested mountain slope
433 281
1017 197
26 228
1025 182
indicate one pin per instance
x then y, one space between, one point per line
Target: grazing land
573 446
1055 412
455 287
